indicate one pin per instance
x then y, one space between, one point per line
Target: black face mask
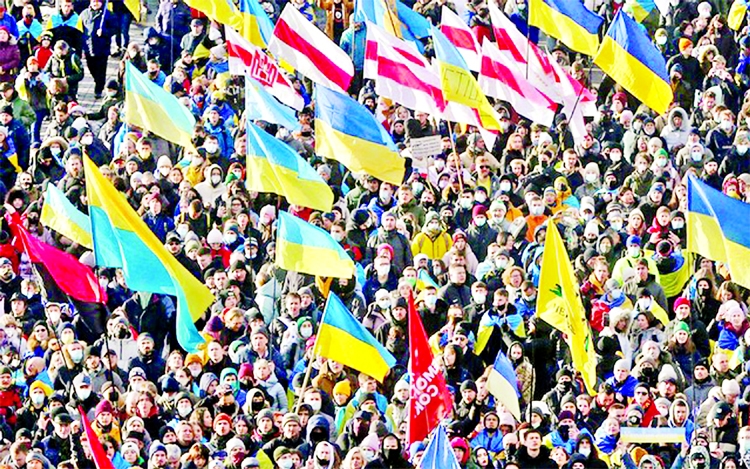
322 462
257 406
114 396
391 454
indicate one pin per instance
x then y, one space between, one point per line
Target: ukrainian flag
502 382
717 229
628 56
122 240
302 247
395 17
273 166
260 105
736 15
342 338
348 132
569 21
249 19
152 108
60 215
459 85
640 9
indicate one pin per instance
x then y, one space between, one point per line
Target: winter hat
290 418
684 43
246 371
681 301
479 210
682 326
156 446
622 364
103 407
223 416
235 443
730 386
343 387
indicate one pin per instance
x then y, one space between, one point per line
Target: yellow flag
559 304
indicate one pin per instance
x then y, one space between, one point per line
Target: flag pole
306 379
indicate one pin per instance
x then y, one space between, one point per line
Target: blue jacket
728 340
627 389
492 443
222 134
353 43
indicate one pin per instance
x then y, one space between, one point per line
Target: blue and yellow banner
632 60
151 107
348 132
717 229
303 247
273 166
260 105
62 216
123 240
344 339
502 382
569 21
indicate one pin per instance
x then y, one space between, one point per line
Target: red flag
72 277
430 400
97 450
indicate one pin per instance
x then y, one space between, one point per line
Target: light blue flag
439 454
260 105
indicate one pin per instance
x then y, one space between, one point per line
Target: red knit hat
681 301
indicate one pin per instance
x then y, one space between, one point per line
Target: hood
678 110
320 422
151 32
207 171
206 381
655 462
226 372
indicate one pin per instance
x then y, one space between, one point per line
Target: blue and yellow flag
569 21
123 240
737 14
62 216
502 382
631 59
249 19
260 105
717 229
640 9
342 338
302 247
559 304
349 133
273 166
152 108
458 83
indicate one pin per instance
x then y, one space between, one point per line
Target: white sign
426 146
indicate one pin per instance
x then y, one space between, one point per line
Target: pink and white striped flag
459 34
400 72
310 51
248 60
508 84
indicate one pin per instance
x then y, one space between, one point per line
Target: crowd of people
463 234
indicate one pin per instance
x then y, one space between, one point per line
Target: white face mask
230 238
678 225
306 332
164 171
76 356
741 149
616 225
439 165
286 463
338 236
615 157
215 180
726 125
83 394
383 270
479 298
536 210
87 140
637 125
505 186
644 304
184 411
480 221
430 301
211 147
585 451
634 251
316 405
384 304
661 40
37 399
591 178
696 155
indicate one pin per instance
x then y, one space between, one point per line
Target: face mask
661 40
215 180
505 186
536 210
195 372
211 147
316 405
285 464
591 178
322 462
678 225
501 263
466 203
726 125
644 304
184 411
615 157
634 251
479 298
87 140
55 151
616 225
83 394
504 126
430 301
384 304
522 7
230 238
741 149
661 162
306 332
37 399
637 126
417 187
480 221
480 198
615 293
439 165
696 155
585 451
383 270
337 236
76 356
